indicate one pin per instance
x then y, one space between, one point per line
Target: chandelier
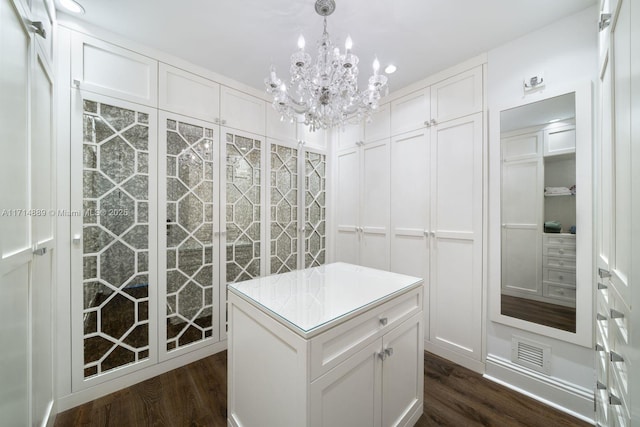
325 94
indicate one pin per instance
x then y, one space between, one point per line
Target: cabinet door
43 11
457 96
347 206
350 136
350 394
279 127
188 238
315 205
410 237
521 226
374 210
315 138
456 218
239 110
379 127
110 70
403 372
410 112
15 244
560 141
188 94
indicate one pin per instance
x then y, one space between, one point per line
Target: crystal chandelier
325 94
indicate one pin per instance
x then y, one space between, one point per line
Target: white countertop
307 300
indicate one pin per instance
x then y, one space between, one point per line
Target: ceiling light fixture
72 6
325 94
390 69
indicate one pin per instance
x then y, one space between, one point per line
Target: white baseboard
78 398
564 396
467 362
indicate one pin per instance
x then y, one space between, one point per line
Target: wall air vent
531 354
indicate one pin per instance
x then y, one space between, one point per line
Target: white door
456 219
347 244
43 199
15 225
350 394
402 372
374 208
411 112
410 233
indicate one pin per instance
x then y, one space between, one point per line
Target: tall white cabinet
427 180
27 213
617 274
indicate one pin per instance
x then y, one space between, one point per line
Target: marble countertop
308 301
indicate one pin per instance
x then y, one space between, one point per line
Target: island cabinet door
402 373
350 394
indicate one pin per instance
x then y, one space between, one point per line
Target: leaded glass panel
284 209
315 208
115 237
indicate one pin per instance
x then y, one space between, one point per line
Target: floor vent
531 354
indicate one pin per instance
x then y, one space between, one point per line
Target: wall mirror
545 216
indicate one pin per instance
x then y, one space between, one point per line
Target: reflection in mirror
538 213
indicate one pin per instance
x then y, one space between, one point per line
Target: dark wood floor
556 316
196 395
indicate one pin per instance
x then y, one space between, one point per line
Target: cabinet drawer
559 292
559 276
335 345
559 262
559 240
559 251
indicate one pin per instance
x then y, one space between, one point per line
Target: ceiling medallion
324 94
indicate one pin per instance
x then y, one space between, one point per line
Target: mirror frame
584 223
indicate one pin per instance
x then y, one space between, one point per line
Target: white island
335 345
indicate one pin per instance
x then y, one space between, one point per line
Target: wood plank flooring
196 395
553 315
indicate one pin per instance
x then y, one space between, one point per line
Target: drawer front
335 345
560 276
559 262
560 292
559 240
559 251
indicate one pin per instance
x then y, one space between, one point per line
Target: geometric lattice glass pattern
315 196
284 209
243 208
115 237
190 207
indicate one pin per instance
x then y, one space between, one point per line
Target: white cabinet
188 94
561 140
242 111
362 208
351 364
411 112
380 125
110 70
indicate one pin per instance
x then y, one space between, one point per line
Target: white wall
566 52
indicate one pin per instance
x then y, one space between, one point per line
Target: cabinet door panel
374 214
349 395
379 127
410 112
402 372
103 68
242 111
186 93
278 127
521 147
312 138
457 96
350 136
347 205
521 263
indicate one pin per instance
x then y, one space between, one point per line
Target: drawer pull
602 286
615 314
601 316
614 400
603 273
384 321
615 357
600 386
599 347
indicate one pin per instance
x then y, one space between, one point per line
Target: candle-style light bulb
348 44
301 42
376 66
273 73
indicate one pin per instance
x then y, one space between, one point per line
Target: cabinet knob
614 400
388 351
599 347
40 251
384 321
615 357
602 286
427 124
76 239
433 122
223 121
38 28
600 386
601 316
382 355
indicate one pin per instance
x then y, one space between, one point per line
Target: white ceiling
241 38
